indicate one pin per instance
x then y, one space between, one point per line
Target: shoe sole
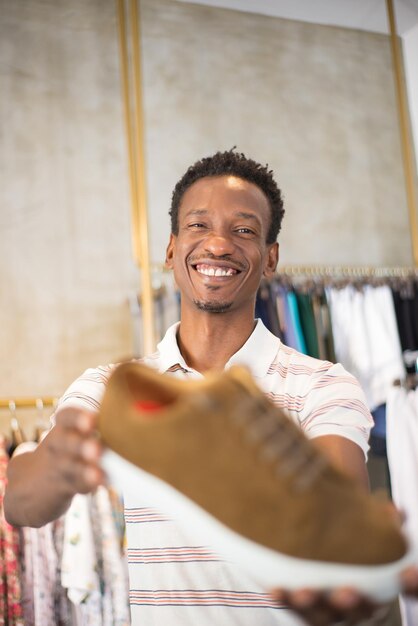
269 568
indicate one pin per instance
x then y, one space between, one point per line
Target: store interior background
316 101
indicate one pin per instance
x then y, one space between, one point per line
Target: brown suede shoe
217 450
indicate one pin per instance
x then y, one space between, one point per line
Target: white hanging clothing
366 338
402 450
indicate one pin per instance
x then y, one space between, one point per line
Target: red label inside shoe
147 405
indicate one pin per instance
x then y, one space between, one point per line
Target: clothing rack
329 270
347 271
38 402
16 425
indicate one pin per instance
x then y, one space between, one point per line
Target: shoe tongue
147 405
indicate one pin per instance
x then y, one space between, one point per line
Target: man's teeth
216 271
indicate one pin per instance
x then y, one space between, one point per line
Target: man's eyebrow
196 212
249 216
241 214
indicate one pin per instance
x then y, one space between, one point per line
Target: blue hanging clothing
378 432
295 324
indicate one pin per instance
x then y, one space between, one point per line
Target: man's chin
212 306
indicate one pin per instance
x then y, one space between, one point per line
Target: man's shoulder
97 376
298 361
152 360
301 373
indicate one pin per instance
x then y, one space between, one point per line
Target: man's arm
345 455
41 484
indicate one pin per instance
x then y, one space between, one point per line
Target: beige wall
66 266
316 103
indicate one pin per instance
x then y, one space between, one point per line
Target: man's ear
169 253
272 260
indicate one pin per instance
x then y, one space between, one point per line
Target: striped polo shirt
175 579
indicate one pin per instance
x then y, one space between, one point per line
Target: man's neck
208 340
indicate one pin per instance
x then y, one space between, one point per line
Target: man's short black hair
234 164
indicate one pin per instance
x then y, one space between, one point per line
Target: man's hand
41 484
72 450
410 582
344 605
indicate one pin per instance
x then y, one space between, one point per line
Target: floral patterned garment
10 589
44 601
114 566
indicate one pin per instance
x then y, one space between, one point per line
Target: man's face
220 252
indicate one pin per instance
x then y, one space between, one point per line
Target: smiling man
221 245
226 214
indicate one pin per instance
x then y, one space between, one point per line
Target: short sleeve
86 391
336 405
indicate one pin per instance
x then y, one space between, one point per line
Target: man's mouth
215 270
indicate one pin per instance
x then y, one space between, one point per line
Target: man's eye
245 231
197 225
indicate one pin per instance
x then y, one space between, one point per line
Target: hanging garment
307 321
319 327
10 589
405 298
39 564
294 328
378 432
279 295
402 450
167 305
366 338
266 306
272 314
39 576
323 327
79 564
115 587
63 606
327 325
261 310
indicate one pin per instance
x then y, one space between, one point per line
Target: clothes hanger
411 380
40 422
411 359
17 435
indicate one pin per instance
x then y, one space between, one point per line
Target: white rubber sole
269 568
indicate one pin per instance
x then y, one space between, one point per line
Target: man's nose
219 244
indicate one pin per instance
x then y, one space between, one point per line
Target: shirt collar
257 353
168 348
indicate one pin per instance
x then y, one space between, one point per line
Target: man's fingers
346 598
352 606
345 605
309 604
74 445
91 450
81 477
316 611
71 418
410 581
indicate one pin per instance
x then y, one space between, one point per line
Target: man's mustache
226 258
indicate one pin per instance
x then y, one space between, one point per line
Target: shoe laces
279 441
273 432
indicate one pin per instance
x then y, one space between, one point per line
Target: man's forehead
234 182
207 186
228 181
